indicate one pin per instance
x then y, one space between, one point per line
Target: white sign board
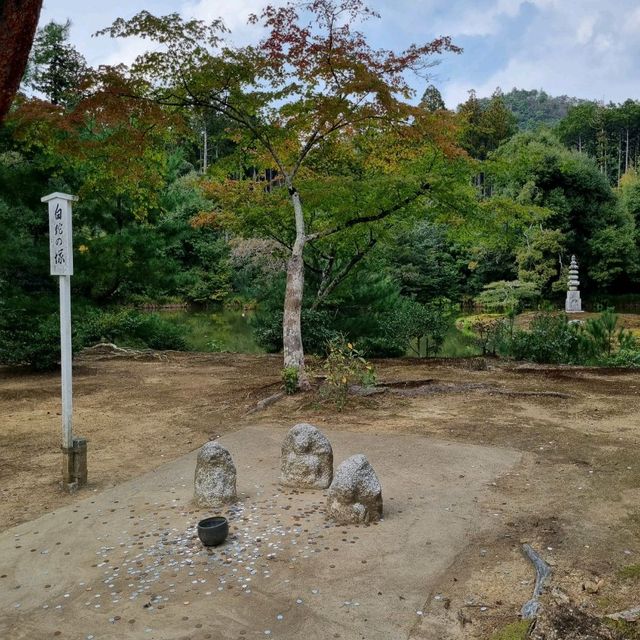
60 234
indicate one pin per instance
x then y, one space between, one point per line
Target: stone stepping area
128 563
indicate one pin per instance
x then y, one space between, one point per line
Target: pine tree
55 66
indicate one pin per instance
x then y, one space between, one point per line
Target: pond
219 330
230 330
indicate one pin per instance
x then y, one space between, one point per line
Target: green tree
535 169
485 126
55 68
432 99
311 80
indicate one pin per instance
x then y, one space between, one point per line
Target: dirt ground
575 497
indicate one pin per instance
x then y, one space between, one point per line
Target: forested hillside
536 108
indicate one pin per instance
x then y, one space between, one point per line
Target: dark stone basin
213 531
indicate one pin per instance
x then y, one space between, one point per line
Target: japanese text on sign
60 242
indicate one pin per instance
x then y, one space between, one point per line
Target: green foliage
413 325
553 338
131 328
344 366
534 109
514 631
290 379
485 125
626 358
317 330
535 169
602 333
610 134
55 68
488 331
426 262
509 297
550 339
432 99
537 258
30 337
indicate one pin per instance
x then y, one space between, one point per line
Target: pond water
230 330
219 330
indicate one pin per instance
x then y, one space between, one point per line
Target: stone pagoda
573 303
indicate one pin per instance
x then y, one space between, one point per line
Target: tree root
543 571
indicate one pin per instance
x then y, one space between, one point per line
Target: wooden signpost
74 450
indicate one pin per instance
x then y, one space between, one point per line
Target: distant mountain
535 108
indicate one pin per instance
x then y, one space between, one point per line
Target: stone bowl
213 531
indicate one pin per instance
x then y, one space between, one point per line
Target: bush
413 322
554 339
290 380
623 358
550 339
31 340
490 333
132 329
316 330
343 367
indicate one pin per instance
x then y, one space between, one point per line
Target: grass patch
514 631
631 572
626 630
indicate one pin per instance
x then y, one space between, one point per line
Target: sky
583 48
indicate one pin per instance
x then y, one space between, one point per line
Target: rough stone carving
307 458
215 478
355 495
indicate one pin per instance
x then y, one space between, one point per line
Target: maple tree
310 81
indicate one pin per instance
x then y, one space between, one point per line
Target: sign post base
74 465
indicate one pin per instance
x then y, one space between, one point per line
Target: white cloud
587 48
480 20
588 53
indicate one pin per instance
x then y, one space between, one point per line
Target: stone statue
355 495
215 479
573 303
307 459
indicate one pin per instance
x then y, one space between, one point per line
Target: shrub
555 339
490 332
316 330
131 328
343 367
550 339
623 358
31 340
413 322
290 379
510 297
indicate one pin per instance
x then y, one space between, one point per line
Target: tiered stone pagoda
573 303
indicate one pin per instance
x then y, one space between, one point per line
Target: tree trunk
626 154
18 22
291 323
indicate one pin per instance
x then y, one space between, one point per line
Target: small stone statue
307 458
355 495
215 479
573 303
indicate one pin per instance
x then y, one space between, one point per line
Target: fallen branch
543 571
263 404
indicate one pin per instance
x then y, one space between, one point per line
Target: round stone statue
307 458
215 479
355 495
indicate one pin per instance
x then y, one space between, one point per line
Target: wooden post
61 265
